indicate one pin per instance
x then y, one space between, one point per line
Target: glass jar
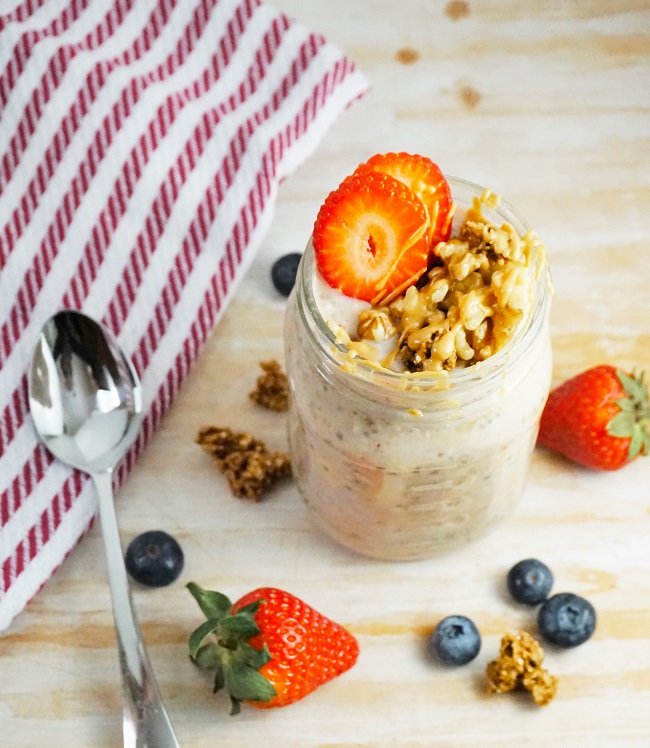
397 470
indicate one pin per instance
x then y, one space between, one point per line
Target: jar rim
458 377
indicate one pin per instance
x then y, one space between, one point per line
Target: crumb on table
272 389
519 665
245 461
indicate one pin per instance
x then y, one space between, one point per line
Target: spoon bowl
85 396
86 404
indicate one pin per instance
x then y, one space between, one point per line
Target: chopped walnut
272 389
376 324
245 461
519 665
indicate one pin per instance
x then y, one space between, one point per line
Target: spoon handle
145 720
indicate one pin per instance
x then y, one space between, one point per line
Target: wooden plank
549 104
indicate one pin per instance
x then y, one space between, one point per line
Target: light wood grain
549 104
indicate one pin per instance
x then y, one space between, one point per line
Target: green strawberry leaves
635 386
240 627
227 651
199 634
633 420
213 604
207 657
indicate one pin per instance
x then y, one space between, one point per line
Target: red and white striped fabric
141 146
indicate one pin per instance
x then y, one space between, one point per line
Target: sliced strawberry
424 178
370 236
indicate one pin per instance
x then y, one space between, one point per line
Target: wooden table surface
549 104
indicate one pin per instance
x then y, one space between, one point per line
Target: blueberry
284 271
566 619
154 559
456 640
530 581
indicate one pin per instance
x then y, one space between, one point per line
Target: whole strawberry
270 648
600 418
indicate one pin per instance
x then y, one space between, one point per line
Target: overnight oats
419 360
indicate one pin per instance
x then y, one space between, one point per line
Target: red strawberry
425 179
270 648
370 236
600 418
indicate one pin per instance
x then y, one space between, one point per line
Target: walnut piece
272 389
519 664
245 461
375 324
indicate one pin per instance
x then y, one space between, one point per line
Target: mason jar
397 468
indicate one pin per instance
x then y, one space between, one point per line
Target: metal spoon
86 402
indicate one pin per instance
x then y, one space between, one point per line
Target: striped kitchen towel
141 147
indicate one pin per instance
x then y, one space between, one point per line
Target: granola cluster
469 305
245 461
272 389
519 665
